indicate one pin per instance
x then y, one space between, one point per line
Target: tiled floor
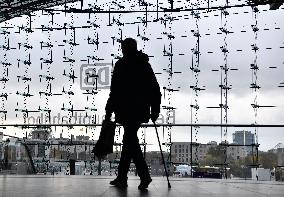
81 186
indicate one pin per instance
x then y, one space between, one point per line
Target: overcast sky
240 97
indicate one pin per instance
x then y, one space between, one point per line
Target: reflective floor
81 186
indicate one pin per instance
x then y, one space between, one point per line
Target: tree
267 160
215 156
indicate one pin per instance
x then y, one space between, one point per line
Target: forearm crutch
169 185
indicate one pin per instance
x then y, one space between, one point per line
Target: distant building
243 138
45 151
155 162
63 149
41 134
181 151
274 150
37 143
279 150
43 147
237 152
280 156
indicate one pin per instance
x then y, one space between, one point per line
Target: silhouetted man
134 98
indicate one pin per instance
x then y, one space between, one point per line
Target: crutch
169 185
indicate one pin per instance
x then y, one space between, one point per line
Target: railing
192 144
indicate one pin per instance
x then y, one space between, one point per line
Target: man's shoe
144 183
119 183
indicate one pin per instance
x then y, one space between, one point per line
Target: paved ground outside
80 186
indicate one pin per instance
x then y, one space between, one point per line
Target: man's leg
124 162
125 158
131 149
136 154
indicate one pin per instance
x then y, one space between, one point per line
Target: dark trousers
131 150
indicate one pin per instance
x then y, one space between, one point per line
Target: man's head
129 46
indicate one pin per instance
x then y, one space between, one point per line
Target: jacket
134 92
